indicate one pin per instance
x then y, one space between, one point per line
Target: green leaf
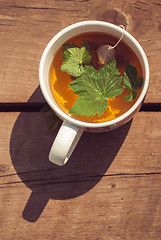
131 96
86 106
94 88
53 123
110 79
126 82
140 82
54 119
75 57
132 82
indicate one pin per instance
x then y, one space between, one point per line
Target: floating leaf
94 88
75 57
132 82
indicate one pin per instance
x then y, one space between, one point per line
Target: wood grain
110 186
27 26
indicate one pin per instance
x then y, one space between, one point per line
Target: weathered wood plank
27 26
118 207
110 186
135 147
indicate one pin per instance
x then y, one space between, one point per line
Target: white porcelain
72 129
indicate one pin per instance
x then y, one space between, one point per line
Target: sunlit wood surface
111 186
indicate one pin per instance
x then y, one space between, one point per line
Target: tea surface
60 80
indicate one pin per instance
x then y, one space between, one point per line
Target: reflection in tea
60 80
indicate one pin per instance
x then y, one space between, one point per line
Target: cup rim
68 118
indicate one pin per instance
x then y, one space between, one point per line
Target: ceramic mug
72 129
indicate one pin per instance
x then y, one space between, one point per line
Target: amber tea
102 102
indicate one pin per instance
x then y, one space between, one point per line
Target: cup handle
65 143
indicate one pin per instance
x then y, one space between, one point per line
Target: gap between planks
36 107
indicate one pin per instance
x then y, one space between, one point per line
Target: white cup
72 129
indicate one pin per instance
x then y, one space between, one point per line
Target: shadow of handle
35 206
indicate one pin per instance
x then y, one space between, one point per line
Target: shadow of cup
30 144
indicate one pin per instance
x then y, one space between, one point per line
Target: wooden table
111 187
